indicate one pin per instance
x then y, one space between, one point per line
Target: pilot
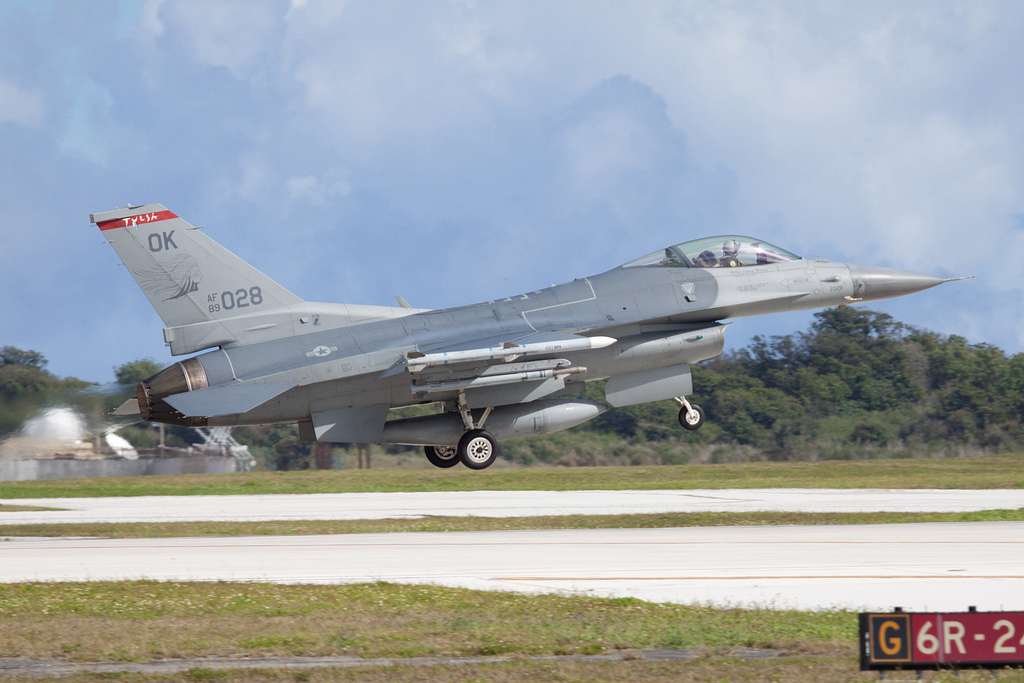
730 254
706 259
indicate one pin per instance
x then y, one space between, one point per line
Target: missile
416 361
495 380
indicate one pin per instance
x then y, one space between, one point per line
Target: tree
135 371
12 355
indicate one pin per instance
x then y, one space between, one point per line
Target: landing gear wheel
691 419
477 449
442 456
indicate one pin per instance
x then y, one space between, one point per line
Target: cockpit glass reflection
724 251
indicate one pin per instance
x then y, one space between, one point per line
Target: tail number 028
229 300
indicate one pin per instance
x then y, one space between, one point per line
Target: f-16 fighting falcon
500 369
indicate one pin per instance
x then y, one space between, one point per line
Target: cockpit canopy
722 251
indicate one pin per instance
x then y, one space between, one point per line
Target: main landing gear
442 456
691 416
477 449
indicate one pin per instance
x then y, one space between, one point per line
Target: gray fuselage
631 304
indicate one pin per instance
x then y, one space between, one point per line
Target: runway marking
755 578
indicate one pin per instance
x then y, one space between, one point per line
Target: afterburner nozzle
871 283
188 375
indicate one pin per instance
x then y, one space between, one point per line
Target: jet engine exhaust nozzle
188 375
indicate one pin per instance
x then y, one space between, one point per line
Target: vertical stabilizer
188 277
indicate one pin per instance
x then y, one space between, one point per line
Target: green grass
360 526
945 473
711 667
147 621
137 621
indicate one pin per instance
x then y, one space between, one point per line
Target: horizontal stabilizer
229 399
128 408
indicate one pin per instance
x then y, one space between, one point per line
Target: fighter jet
499 369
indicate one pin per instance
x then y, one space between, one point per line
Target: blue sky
459 151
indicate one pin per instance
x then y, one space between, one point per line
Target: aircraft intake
523 419
188 375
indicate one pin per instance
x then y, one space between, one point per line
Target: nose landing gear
691 416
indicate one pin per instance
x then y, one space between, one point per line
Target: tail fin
188 277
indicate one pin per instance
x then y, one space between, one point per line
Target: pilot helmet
706 258
730 247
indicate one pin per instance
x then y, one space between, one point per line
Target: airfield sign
936 640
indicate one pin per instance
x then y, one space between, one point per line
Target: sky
453 152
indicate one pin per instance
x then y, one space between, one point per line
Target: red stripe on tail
139 219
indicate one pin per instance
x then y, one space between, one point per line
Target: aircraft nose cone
881 283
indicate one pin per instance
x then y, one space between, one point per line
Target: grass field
780 670
709 668
363 526
132 621
145 621
943 473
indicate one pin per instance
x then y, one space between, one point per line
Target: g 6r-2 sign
932 640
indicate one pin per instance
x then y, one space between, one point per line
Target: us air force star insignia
321 351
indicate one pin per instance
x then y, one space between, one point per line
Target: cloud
234 34
253 180
150 22
317 191
20 106
372 79
89 131
495 147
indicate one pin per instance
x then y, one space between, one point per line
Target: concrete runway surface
917 566
505 504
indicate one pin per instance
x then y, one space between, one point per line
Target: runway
505 504
916 566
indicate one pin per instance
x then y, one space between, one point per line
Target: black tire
686 423
450 457
477 449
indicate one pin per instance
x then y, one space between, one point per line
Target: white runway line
917 566
505 504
